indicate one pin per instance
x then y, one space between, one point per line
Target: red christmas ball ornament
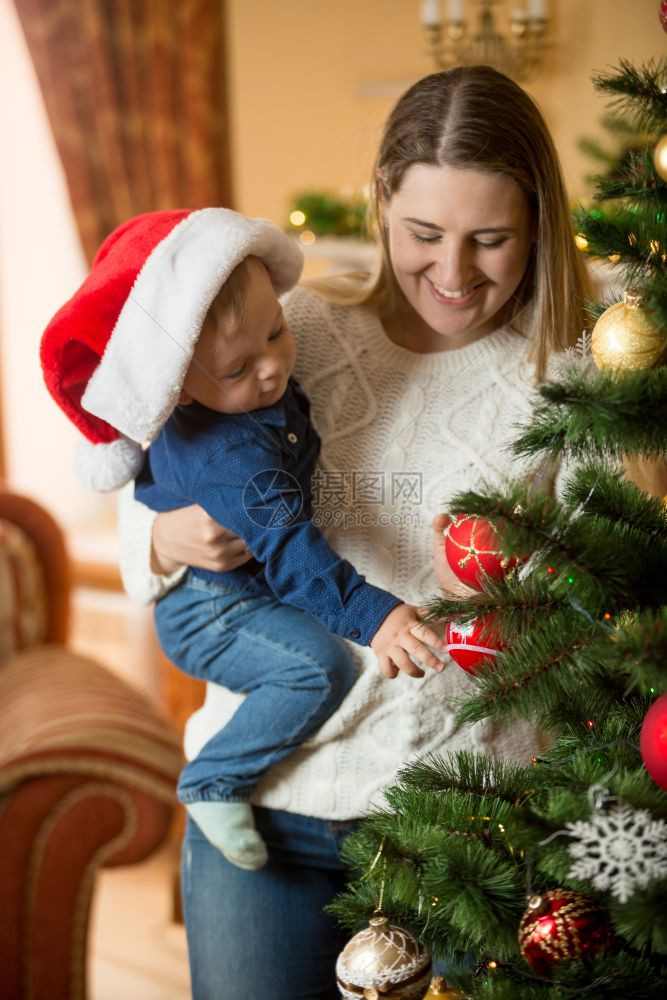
473 551
471 644
663 14
653 741
561 926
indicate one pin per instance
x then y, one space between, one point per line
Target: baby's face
249 369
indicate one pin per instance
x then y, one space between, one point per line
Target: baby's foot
230 827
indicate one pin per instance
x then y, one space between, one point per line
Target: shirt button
292 438
355 634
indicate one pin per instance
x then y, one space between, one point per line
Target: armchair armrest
49 541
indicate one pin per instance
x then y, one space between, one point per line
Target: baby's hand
403 634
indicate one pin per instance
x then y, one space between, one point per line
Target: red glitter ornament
653 741
473 551
561 926
662 14
471 645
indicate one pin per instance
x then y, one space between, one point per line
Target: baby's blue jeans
293 672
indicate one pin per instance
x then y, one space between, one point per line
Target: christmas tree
549 879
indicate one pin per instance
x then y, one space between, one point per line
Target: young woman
417 377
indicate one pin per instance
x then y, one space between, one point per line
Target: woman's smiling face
460 241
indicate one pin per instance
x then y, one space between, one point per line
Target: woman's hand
188 536
445 576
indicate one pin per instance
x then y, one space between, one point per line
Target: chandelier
516 51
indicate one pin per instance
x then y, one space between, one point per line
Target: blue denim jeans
263 933
293 672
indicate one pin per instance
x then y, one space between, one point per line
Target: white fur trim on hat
106 467
138 381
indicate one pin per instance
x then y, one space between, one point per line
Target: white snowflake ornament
619 851
577 358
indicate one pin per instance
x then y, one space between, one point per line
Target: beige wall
298 73
299 68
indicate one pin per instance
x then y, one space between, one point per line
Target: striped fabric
63 713
23 604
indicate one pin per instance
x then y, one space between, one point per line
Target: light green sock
230 827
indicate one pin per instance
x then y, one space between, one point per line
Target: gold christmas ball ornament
624 338
660 157
383 962
440 989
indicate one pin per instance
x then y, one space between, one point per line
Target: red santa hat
115 356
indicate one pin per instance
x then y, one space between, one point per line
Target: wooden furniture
88 767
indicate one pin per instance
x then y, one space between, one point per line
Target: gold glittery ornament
660 157
383 962
440 989
624 338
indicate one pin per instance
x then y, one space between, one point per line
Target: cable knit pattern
441 422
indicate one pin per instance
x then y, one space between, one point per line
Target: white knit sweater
401 432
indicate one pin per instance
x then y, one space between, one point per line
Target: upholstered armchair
87 767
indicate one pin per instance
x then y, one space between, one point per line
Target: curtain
136 97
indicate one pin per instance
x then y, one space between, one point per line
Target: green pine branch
514 603
654 292
635 179
642 921
537 672
598 489
608 414
474 773
638 653
636 92
625 234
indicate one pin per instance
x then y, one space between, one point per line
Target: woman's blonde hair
475 117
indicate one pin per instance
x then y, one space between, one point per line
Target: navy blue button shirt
251 472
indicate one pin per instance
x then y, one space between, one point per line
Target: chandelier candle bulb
455 10
536 9
430 12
